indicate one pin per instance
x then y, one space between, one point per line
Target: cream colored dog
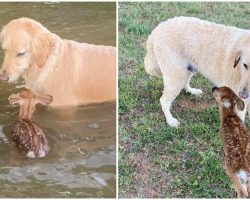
73 73
182 45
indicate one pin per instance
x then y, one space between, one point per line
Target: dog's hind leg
175 77
172 88
188 87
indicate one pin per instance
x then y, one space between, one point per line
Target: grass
154 159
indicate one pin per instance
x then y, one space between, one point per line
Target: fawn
25 133
235 139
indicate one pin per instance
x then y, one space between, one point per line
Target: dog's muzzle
4 76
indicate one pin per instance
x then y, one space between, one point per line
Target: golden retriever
73 73
182 45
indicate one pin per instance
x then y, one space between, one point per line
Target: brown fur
27 101
235 137
25 133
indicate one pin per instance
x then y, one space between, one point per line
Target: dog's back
188 39
88 75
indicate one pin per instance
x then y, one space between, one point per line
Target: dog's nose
244 94
214 88
4 76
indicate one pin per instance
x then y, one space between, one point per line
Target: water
82 159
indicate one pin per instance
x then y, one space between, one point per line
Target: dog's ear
44 99
237 58
42 46
240 104
15 99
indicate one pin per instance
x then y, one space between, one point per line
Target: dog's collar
54 57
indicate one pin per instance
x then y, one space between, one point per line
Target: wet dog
28 137
73 73
235 139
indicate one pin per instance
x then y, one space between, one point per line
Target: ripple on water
82 158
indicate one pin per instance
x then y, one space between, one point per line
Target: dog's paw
173 122
195 91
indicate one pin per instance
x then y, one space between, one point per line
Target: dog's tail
150 62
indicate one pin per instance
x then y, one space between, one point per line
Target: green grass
154 159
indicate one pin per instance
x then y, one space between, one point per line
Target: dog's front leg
242 114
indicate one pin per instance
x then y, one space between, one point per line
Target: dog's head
241 59
227 99
27 101
26 44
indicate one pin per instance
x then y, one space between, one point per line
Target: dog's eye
20 54
245 65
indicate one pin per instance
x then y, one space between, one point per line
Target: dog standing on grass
180 46
235 139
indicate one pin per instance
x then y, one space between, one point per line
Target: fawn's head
27 101
227 100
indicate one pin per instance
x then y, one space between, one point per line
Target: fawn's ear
240 104
44 99
15 99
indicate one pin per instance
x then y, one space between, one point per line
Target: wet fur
24 135
73 73
27 136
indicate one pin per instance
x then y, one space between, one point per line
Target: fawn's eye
20 54
245 65
5 50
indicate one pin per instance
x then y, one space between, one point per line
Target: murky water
82 159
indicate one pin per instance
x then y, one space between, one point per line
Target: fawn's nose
4 76
214 88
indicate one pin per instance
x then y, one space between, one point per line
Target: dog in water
73 73
235 139
28 137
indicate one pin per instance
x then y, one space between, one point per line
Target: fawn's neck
26 112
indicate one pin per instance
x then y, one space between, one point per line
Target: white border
117 101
